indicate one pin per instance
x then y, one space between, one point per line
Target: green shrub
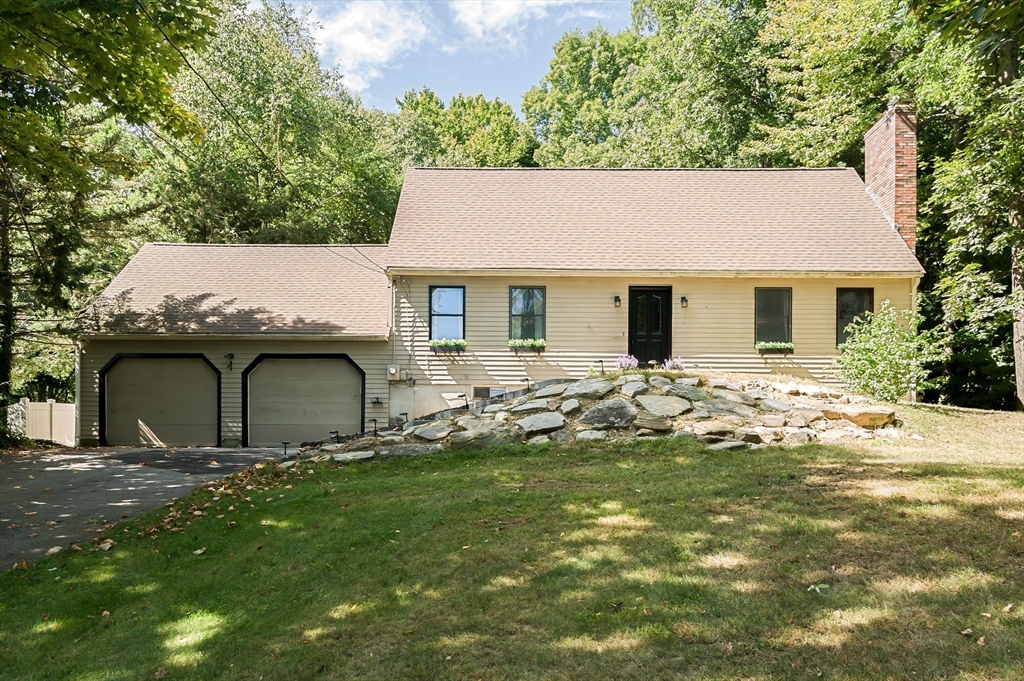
885 356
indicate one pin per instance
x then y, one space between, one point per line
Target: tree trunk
6 311
1017 288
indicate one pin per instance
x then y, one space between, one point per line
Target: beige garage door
161 401
301 400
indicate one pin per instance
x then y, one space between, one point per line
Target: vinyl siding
371 356
715 331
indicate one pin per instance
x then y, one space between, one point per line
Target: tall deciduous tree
288 155
471 131
55 58
986 176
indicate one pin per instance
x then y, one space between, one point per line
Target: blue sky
496 47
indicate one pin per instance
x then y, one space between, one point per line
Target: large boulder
718 428
658 424
476 423
634 389
409 450
490 437
589 388
552 390
570 406
736 397
532 405
775 405
727 445
720 406
664 405
868 415
345 457
541 423
688 392
616 412
429 433
659 381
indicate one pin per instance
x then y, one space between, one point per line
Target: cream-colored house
254 345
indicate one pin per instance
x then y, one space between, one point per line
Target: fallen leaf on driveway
54 551
106 544
200 552
32 535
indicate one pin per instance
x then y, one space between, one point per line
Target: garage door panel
300 400
161 401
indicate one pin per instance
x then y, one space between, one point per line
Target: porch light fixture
683 302
229 357
618 301
376 400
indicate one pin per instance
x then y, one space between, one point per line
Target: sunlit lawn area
654 560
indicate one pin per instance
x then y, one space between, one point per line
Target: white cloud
504 20
362 38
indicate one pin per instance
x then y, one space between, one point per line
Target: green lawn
654 560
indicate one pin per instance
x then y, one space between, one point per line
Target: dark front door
650 324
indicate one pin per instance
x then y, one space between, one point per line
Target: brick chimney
890 169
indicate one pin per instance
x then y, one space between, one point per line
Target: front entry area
650 323
300 398
160 401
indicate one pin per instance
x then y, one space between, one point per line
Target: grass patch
645 560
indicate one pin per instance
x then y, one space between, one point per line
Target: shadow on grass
651 560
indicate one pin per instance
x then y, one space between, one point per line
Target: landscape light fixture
406 415
683 302
601 362
335 436
463 396
286 443
374 427
618 301
527 382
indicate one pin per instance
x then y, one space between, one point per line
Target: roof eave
567 272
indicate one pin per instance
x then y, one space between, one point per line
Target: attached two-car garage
174 400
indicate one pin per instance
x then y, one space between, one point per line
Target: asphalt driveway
57 497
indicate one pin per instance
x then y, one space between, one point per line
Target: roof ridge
175 243
578 169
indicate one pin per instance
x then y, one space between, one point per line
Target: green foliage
289 155
448 343
470 131
773 345
885 356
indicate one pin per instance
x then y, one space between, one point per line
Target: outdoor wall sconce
618 301
376 400
229 357
683 302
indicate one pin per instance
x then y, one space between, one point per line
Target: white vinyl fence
52 421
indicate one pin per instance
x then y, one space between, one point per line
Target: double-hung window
850 304
526 312
773 315
447 312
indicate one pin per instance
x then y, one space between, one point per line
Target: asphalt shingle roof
658 220
246 289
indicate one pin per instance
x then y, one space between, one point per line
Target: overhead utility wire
243 129
108 100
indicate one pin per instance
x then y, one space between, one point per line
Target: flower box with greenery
531 344
448 345
773 348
